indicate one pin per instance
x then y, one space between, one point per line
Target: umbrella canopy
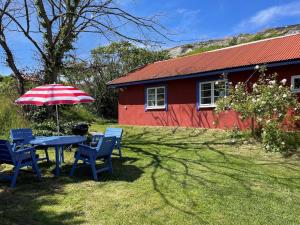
54 94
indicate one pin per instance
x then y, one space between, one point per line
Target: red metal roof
253 53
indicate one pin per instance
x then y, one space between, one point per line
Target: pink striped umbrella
54 94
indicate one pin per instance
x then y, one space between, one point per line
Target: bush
49 128
11 116
268 104
274 138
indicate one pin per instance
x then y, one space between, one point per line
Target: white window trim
156 106
293 84
212 96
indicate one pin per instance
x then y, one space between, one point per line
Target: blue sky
187 21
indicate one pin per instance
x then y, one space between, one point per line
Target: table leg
57 160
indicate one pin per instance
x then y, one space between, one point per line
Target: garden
166 176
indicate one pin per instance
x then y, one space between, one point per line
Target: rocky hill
203 46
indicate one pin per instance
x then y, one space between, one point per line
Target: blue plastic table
58 142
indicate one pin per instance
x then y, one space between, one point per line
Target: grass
167 176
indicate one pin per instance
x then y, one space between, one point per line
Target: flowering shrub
267 102
274 139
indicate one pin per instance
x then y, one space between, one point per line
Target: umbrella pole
57 118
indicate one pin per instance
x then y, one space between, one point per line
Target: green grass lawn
167 176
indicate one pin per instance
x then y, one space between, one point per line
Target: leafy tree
53 26
109 62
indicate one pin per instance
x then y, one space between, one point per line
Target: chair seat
86 156
27 158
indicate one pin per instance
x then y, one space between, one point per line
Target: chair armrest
86 148
16 140
37 137
25 150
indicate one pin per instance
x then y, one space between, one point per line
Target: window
156 98
209 92
295 83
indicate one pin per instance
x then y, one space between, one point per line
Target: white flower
272 82
283 81
283 143
284 95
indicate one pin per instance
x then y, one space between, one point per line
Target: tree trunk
21 86
51 73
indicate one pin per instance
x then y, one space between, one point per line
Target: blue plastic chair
111 132
23 136
89 155
22 157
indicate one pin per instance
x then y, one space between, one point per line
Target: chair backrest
107 145
6 152
21 133
114 132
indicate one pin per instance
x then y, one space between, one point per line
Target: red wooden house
183 91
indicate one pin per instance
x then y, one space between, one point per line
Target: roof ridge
229 47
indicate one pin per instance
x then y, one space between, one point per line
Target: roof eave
203 74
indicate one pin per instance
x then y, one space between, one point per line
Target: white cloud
269 15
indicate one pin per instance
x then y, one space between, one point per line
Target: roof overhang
204 74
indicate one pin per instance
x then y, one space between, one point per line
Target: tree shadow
177 159
28 202
121 171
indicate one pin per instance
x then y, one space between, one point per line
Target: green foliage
8 87
77 113
273 138
233 41
108 63
11 116
49 127
268 104
205 49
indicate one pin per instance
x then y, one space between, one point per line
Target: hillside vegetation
204 46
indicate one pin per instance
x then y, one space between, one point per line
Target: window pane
206 100
220 92
205 94
161 90
206 86
151 103
297 83
160 102
151 91
151 97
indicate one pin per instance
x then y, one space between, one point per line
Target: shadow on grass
33 200
186 164
121 171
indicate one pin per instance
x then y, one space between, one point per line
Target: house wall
182 109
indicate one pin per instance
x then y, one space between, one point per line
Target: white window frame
156 106
212 96
293 84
